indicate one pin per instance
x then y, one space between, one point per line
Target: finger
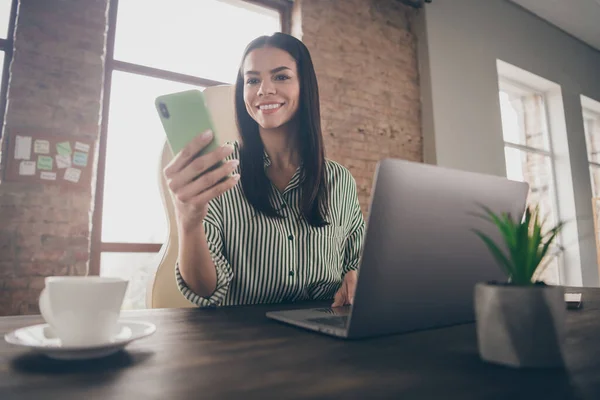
186 155
351 289
206 181
215 191
338 299
199 166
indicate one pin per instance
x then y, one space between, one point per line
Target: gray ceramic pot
520 326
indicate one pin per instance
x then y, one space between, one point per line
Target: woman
293 229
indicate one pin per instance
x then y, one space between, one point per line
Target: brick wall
364 53
56 84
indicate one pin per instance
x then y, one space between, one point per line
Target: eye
281 77
251 81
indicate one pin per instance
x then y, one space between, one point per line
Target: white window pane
535 169
591 123
595 175
550 272
4 17
202 38
132 209
524 119
137 268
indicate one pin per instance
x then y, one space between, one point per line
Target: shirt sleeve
213 226
356 230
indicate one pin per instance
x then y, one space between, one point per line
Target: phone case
184 115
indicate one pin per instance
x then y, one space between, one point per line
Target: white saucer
41 339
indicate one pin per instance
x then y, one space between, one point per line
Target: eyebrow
273 71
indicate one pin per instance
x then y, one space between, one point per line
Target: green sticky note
44 162
63 148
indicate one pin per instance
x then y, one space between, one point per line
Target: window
529 156
591 125
177 45
8 11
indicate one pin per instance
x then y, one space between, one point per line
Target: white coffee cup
82 310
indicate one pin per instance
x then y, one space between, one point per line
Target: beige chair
162 290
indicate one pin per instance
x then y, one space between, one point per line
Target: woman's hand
190 195
345 294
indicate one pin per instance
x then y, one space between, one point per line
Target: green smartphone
184 115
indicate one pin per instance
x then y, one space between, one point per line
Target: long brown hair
255 183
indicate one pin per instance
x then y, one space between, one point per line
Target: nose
266 88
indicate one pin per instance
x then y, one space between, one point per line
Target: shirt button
291 237
291 273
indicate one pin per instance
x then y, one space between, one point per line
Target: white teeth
269 106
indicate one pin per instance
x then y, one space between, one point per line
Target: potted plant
520 322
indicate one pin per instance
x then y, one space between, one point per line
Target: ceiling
580 18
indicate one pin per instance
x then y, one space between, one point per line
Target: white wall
459 43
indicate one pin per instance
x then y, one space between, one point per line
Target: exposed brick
56 80
364 53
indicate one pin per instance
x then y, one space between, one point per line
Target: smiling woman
277 71
293 229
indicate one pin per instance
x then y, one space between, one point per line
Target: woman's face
271 86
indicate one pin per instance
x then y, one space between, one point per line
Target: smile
270 107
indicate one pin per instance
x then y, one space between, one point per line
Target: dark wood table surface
236 353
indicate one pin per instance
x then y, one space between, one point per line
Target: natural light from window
591 124
5 20
202 38
528 154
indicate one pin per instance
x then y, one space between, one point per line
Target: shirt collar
266 159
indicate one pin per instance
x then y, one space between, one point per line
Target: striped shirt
260 259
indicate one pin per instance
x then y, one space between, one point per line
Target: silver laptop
420 259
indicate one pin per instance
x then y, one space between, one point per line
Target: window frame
7 46
509 85
593 115
97 246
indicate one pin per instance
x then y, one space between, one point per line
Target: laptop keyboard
339 321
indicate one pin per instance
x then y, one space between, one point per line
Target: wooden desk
236 353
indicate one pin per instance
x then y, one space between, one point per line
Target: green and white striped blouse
261 259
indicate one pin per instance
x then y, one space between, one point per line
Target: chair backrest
162 291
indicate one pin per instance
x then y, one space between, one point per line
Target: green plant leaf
534 245
519 250
497 253
503 224
544 249
526 244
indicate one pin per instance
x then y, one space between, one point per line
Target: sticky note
63 148
49 176
44 162
82 147
41 147
27 168
22 147
63 161
80 159
72 175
